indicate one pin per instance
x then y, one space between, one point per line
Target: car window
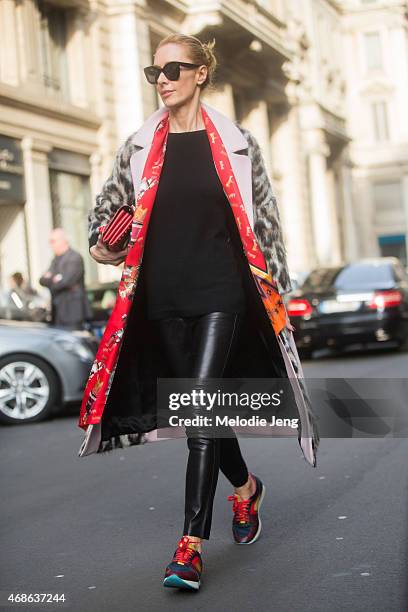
321 278
102 298
358 276
365 276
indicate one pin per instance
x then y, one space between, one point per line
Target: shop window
71 202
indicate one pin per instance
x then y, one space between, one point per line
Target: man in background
65 280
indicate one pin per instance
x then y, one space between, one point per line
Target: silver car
41 368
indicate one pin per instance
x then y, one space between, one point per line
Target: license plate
330 306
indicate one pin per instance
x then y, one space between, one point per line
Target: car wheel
29 389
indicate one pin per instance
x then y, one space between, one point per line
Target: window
387 197
53 35
71 201
373 52
321 278
380 120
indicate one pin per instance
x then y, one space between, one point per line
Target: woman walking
205 303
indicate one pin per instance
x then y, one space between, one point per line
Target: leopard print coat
119 190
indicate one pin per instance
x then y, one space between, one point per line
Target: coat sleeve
267 223
117 190
46 281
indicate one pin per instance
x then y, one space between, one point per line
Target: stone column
222 99
349 223
29 56
13 247
130 46
257 122
105 273
335 212
78 62
96 179
364 214
38 208
318 151
9 69
286 149
405 204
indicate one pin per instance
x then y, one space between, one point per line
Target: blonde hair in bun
200 53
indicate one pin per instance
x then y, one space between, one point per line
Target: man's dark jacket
69 302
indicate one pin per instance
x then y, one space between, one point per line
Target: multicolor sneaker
185 569
246 524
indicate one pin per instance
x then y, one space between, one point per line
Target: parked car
102 297
296 280
41 369
36 308
361 302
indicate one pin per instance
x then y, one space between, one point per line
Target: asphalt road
101 529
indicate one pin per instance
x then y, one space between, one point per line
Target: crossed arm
72 274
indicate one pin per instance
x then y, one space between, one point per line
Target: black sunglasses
171 70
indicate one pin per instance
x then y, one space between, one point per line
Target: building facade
376 60
72 89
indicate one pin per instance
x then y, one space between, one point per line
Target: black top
189 262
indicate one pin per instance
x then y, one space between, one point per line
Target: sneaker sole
258 532
177 582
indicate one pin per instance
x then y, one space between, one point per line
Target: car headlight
75 347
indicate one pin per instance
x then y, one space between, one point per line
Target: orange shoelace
184 552
240 508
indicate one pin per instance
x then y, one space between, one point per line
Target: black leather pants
199 347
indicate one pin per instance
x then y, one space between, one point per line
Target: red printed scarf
102 372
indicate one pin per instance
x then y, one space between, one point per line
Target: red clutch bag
116 233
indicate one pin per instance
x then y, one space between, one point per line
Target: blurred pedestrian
65 280
20 293
20 301
21 286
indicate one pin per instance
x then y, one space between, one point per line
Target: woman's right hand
103 255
